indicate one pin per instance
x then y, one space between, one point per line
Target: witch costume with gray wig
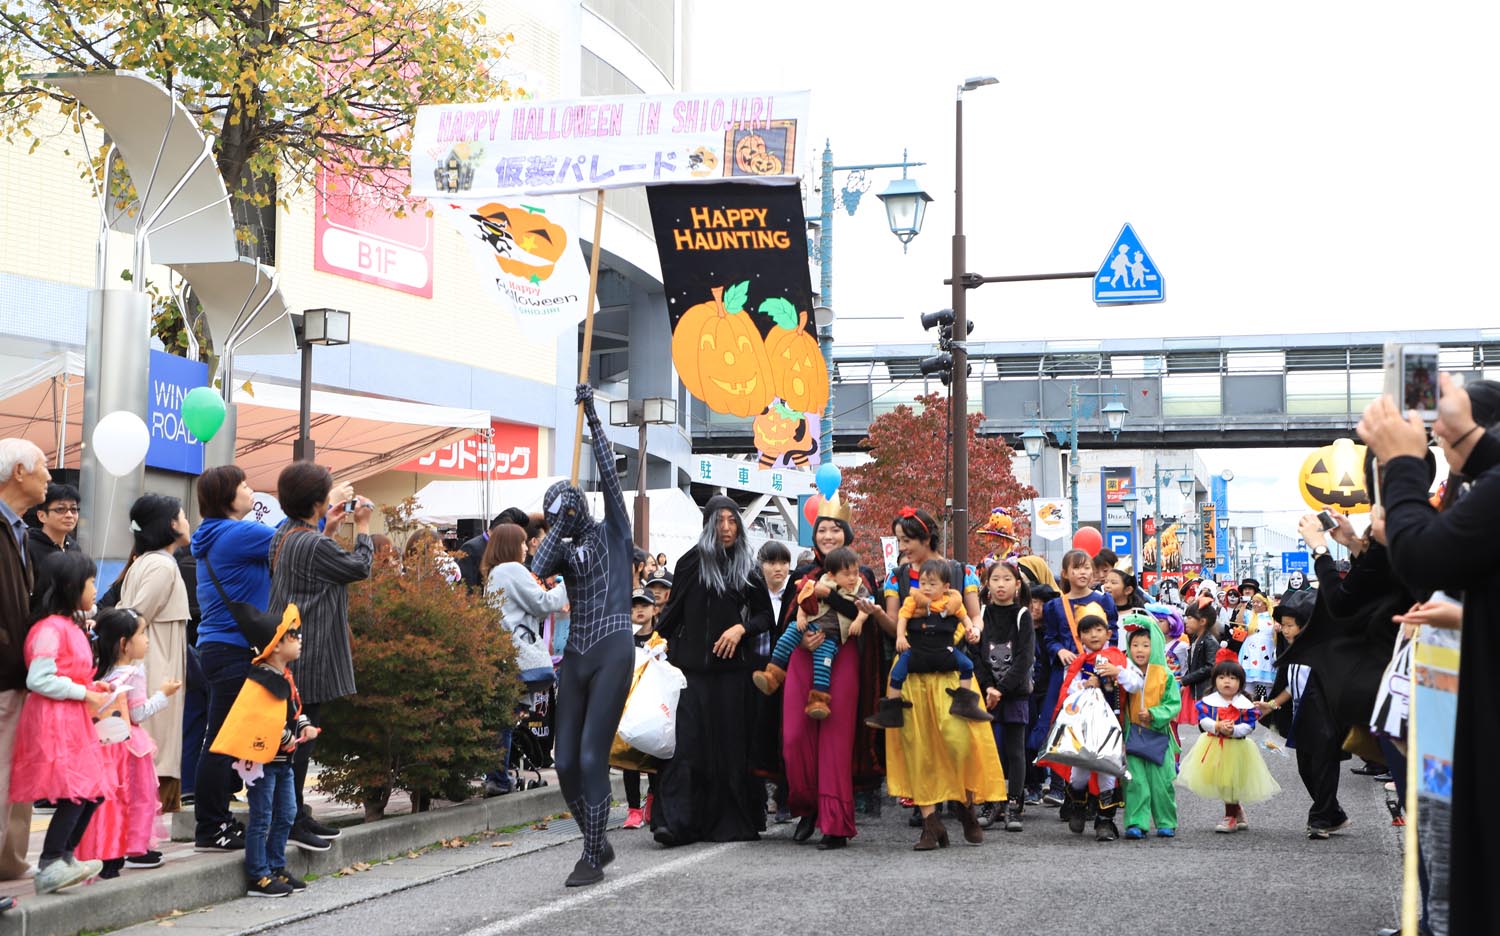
706 792
594 559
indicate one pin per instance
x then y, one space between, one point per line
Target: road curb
138 896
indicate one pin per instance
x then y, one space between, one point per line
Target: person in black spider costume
594 559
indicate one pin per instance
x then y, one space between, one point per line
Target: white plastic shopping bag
649 723
1086 735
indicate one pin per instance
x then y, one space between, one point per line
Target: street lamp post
650 411
958 398
327 327
905 207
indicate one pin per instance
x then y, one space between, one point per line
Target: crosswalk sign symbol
1128 274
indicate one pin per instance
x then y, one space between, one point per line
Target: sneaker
651 799
782 817
1383 778
1012 818
305 817
1166 833
187 800
986 815
268 887
491 788
1317 833
304 839
63 874
1135 832
1341 825
151 859
1228 824
112 868
229 837
1243 821
1052 798
634 820
1033 797
286 877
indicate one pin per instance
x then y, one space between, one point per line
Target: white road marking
511 924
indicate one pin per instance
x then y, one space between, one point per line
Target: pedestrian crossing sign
1128 274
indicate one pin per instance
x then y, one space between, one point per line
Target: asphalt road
1043 881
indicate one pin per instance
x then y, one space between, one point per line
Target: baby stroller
531 736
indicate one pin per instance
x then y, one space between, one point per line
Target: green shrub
437 682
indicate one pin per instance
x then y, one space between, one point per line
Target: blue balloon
829 477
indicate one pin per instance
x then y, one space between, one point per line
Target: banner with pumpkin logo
526 247
734 265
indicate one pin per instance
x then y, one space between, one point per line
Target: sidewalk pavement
188 880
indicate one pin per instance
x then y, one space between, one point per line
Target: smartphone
351 505
1326 521
1412 377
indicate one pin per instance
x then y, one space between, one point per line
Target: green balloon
203 412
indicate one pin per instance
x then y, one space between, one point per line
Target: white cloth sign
890 551
1051 518
527 248
266 509
535 147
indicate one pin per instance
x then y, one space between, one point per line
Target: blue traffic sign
1120 542
1128 274
1296 562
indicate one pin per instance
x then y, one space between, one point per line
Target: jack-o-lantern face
1334 477
721 357
526 244
764 164
745 148
797 368
776 432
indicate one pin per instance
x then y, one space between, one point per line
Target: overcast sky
1291 167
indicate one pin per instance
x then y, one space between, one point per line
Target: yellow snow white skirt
936 757
1227 769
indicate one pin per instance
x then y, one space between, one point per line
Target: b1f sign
358 237
173 447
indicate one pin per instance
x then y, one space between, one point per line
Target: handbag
245 614
1147 744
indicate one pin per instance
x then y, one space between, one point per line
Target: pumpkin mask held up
720 355
1334 477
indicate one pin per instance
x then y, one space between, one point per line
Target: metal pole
642 502
1156 521
1074 472
959 397
825 297
302 450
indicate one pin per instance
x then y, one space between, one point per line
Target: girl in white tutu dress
1224 764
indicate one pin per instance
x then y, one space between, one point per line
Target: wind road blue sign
1128 274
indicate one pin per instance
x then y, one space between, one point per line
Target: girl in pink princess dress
121 832
58 756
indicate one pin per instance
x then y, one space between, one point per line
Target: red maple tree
909 466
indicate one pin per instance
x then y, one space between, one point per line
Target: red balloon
810 508
1089 540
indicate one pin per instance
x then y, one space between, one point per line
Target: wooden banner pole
588 325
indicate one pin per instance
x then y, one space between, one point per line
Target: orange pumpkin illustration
720 355
745 147
764 164
526 244
797 371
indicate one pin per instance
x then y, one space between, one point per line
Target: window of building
649 24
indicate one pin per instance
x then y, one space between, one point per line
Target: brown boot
817 705
769 679
889 713
967 705
973 834
934 834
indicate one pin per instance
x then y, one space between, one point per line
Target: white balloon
120 442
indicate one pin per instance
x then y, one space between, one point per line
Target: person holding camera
310 569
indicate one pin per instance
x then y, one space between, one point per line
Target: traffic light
941 364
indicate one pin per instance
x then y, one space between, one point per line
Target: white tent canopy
445 502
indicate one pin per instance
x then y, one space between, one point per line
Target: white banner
1050 518
529 252
534 147
718 471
